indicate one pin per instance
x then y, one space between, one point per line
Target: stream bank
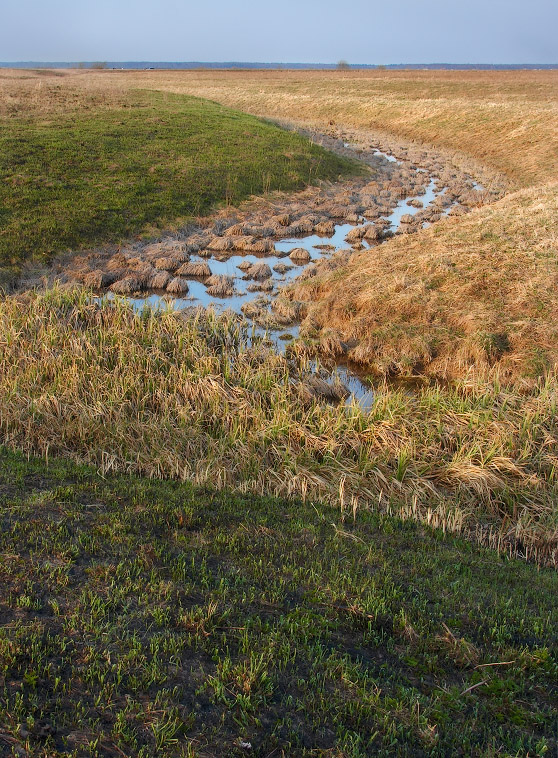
242 259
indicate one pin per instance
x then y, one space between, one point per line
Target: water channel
318 247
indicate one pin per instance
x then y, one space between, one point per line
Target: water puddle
428 187
387 156
403 208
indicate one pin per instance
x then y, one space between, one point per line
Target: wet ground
248 253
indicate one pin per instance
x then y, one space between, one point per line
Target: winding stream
429 187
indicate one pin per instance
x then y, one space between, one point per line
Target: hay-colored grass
178 286
468 293
259 271
191 399
299 254
195 268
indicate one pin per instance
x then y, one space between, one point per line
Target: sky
296 31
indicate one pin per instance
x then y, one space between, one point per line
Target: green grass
87 177
151 618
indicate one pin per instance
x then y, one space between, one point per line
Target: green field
84 176
152 618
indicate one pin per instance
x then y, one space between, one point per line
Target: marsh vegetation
200 549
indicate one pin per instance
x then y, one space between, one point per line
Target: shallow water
360 391
387 156
403 207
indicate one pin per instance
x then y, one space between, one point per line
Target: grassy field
471 300
155 619
242 564
470 293
89 169
506 119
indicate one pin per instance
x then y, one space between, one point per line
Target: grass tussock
157 395
467 294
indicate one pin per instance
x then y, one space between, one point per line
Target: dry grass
164 397
472 291
45 94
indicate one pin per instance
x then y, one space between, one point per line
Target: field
506 119
154 619
194 400
201 557
74 173
505 283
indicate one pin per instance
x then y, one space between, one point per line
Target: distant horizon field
224 65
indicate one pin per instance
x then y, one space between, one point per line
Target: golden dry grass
192 399
469 292
45 93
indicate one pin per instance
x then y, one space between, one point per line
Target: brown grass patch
470 292
190 398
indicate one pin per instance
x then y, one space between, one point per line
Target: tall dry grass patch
469 292
192 399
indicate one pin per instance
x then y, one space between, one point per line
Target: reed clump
191 398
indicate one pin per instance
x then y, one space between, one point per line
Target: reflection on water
318 247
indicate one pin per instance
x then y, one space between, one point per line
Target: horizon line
269 63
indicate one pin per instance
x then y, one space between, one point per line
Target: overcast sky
305 31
